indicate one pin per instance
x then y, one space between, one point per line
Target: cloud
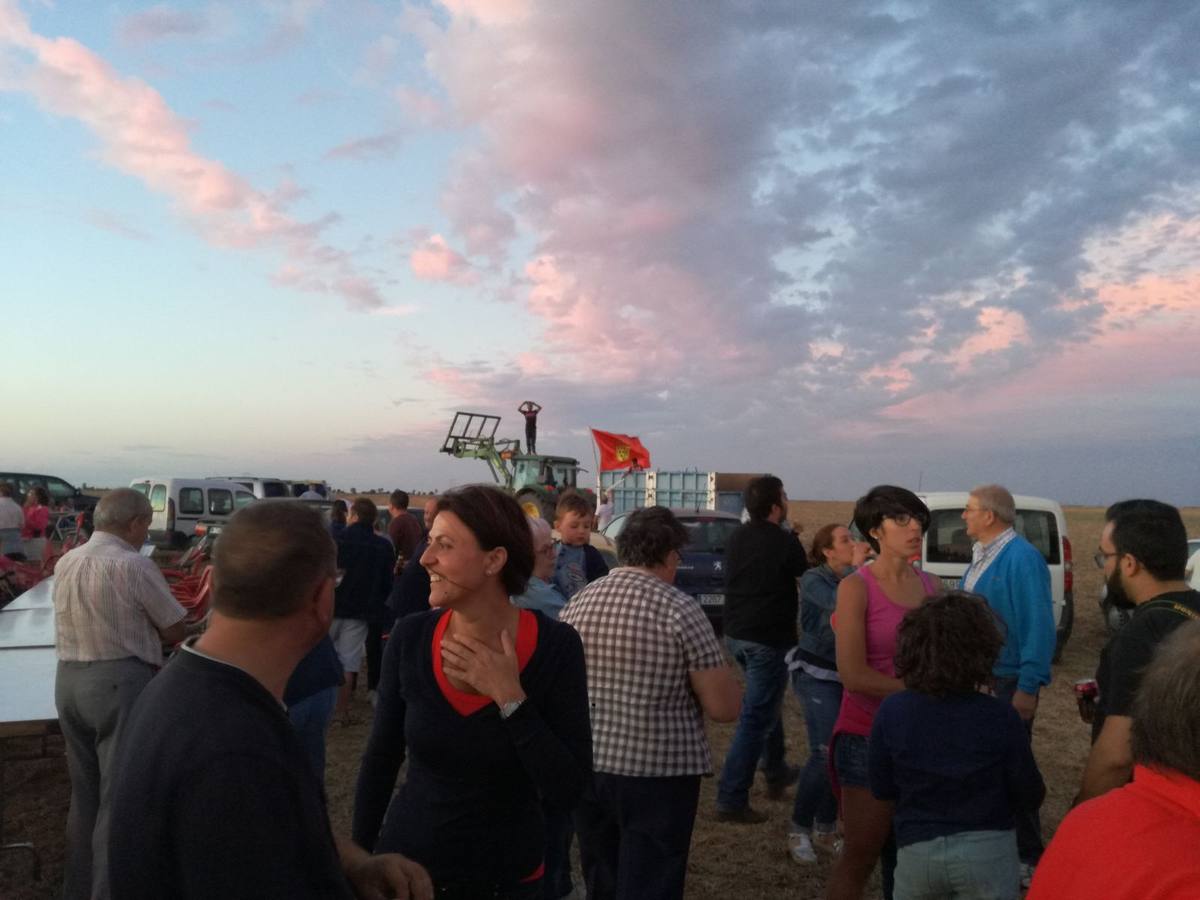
714 199
107 221
159 23
141 136
376 146
434 260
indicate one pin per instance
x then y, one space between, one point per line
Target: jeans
94 700
970 865
311 717
560 832
375 633
766 678
814 795
1029 822
635 834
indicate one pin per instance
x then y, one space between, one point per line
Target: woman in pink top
37 513
870 605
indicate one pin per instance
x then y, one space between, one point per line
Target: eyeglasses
1101 557
547 550
900 519
968 509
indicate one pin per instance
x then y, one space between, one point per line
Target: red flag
620 451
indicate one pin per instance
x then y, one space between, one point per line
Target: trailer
676 489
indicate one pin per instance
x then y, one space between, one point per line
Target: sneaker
1026 875
373 698
827 841
800 848
777 787
743 816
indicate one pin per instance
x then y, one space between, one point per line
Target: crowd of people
526 698
24 528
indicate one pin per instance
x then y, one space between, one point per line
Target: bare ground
726 860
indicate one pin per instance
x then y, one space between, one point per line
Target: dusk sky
849 243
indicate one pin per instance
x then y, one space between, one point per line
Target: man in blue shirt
1013 576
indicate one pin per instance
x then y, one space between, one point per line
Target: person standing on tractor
530 411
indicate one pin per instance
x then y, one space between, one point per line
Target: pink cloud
158 23
141 136
434 260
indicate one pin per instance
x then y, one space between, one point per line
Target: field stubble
726 860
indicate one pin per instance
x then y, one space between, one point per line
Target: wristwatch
510 707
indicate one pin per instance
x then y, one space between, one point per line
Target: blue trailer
677 489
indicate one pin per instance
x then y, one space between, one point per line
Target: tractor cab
557 472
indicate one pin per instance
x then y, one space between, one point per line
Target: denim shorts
850 760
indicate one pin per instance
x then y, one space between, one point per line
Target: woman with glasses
489 704
541 593
870 606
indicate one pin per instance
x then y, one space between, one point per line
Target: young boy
578 563
955 761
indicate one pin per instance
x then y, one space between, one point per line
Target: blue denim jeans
1029 822
970 865
311 717
821 701
766 680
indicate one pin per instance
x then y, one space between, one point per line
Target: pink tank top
883 623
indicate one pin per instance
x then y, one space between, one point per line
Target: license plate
712 599
950 583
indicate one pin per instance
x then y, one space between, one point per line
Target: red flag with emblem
620 451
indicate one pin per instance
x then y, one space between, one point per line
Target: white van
262 488
946 552
179 503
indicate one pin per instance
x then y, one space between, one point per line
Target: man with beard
1143 552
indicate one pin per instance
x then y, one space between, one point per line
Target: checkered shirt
641 638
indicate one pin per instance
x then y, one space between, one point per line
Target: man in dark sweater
213 794
762 564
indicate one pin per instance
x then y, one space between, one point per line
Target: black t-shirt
213 795
762 564
1125 657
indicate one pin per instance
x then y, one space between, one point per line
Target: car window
191 501
60 491
220 502
143 488
243 499
158 498
947 540
615 527
275 489
707 535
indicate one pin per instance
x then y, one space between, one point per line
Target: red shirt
37 520
1135 842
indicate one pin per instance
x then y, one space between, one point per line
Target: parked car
179 503
701 571
946 551
63 494
262 488
1116 618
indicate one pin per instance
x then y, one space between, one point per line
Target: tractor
536 480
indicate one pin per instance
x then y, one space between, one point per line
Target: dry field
726 860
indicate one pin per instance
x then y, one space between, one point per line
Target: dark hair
40 494
822 541
6 489
649 537
365 510
761 494
337 512
1166 710
496 520
948 644
1152 533
398 499
886 501
268 559
572 502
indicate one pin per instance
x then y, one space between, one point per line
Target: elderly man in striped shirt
113 612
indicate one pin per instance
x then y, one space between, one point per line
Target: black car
63 495
701 572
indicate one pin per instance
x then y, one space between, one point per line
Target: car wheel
1065 625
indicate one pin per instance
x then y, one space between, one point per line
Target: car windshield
947 540
275 489
708 535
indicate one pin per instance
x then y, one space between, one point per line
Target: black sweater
469 809
213 795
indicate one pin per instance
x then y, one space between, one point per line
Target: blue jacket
818 600
1017 587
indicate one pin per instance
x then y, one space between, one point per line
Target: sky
931 244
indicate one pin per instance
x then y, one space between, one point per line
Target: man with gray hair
1013 576
113 612
1140 840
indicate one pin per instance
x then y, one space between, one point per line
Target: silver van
179 503
946 552
262 488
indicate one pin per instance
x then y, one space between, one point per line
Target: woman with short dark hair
655 669
870 606
489 703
